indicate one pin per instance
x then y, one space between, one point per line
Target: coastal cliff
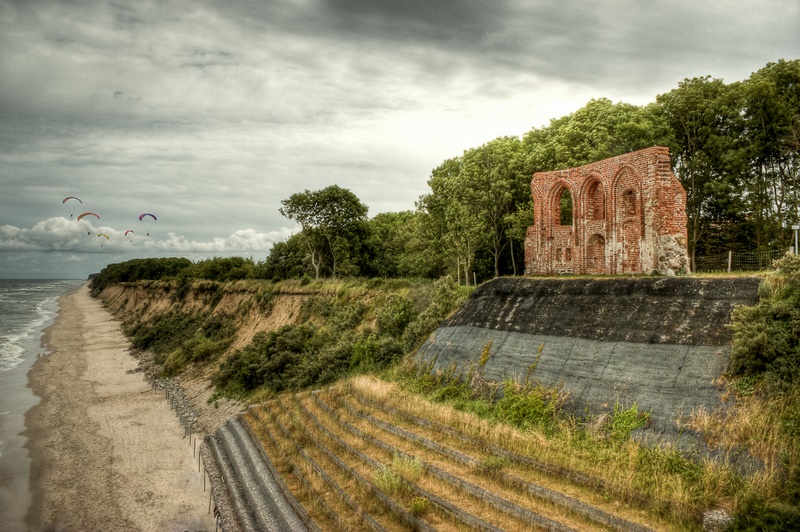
659 343
255 306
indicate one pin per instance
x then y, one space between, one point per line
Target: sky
208 113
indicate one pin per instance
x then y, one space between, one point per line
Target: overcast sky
209 113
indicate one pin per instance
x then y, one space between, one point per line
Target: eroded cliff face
661 343
144 301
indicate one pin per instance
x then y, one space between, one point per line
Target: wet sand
106 453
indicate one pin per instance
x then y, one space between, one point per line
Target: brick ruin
628 216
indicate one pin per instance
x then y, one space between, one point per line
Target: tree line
735 148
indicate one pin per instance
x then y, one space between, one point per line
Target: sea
27 307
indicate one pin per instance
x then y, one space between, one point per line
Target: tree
703 115
492 185
771 109
453 222
400 247
287 260
599 130
327 218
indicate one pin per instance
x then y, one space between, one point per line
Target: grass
671 484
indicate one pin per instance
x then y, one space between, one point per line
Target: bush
394 315
766 336
528 407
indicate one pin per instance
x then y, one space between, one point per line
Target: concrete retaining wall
661 343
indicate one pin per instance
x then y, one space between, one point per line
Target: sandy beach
106 452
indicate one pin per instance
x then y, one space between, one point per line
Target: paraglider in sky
104 235
70 204
147 218
81 216
130 232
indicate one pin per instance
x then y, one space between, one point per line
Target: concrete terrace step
262 505
337 442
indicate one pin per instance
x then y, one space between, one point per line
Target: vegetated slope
143 301
366 456
660 343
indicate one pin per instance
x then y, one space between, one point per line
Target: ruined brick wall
628 216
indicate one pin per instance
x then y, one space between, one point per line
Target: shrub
373 351
529 407
766 336
388 481
394 315
624 422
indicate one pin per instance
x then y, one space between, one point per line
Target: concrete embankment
661 343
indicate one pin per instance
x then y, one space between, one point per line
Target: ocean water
27 307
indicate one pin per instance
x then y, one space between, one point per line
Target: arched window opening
565 208
596 202
629 202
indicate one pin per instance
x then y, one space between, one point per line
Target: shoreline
106 453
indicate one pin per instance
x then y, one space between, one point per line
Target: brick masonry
628 216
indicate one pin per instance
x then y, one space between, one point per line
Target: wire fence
738 261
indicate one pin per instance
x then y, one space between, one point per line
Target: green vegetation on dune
355 329
344 326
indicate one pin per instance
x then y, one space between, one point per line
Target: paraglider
147 218
81 216
130 232
105 235
69 206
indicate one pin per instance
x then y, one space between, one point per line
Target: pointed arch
562 204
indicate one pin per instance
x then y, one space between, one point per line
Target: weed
419 506
485 353
493 465
408 467
624 421
532 367
389 482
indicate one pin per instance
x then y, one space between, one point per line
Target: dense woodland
735 148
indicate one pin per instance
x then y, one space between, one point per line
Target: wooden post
730 260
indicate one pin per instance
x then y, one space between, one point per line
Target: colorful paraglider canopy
71 205
143 215
88 214
129 231
103 234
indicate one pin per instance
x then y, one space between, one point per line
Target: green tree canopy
327 218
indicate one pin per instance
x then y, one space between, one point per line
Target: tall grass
529 419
